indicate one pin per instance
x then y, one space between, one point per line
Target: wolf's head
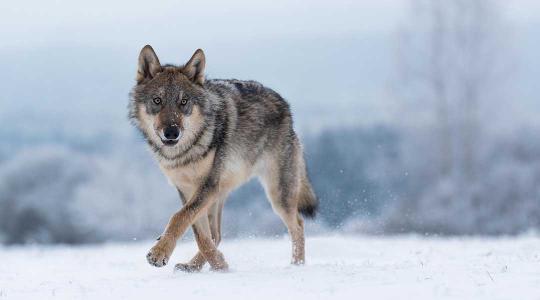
169 103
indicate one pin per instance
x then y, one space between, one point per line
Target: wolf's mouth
169 142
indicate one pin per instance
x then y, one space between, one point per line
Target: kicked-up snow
338 267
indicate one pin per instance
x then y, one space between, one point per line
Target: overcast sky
31 22
79 58
43 22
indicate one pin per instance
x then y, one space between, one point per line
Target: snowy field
339 267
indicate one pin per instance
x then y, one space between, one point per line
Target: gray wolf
209 137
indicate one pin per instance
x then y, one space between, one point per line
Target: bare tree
451 59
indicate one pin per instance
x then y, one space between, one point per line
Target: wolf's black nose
171 132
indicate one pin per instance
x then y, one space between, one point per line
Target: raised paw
159 255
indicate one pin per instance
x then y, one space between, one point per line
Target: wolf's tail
308 203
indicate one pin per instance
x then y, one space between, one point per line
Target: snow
338 267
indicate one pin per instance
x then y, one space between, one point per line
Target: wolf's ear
194 68
148 64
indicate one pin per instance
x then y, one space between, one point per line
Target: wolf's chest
188 178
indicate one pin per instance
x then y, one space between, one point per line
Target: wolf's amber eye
157 101
183 101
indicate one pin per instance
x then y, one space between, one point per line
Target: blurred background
416 116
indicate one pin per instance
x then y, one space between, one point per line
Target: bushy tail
308 203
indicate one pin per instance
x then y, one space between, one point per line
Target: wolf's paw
221 267
188 268
160 253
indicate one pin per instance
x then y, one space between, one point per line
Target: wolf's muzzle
170 135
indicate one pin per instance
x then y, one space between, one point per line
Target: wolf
209 137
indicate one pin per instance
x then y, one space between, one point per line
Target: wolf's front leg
159 255
212 229
161 252
207 246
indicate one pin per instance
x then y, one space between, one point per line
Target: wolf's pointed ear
194 68
148 64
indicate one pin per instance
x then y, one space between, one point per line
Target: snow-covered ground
338 267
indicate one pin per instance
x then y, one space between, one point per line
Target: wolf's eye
183 101
157 101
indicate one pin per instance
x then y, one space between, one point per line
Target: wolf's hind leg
194 265
295 227
214 219
281 183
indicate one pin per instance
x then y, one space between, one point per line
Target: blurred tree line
372 180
